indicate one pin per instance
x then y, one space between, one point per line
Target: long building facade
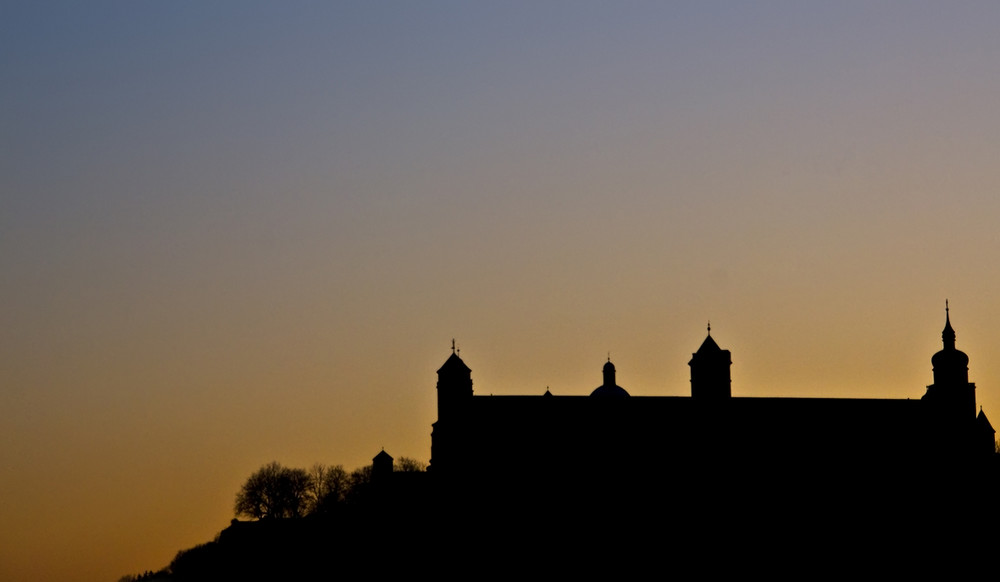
610 449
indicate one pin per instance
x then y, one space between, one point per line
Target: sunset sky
241 232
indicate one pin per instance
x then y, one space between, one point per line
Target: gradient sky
238 232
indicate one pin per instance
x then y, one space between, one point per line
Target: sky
241 232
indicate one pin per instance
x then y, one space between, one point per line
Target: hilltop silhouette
559 485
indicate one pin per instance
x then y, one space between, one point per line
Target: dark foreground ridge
407 531
573 485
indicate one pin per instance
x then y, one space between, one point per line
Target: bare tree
328 487
274 491
409 465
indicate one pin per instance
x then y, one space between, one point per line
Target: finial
710 327
609 356
453 345
948 334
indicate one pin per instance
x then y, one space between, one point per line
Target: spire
948 335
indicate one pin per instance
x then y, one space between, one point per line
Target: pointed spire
948 334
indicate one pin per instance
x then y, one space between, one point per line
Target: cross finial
453 345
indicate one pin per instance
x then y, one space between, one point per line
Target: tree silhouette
409 465
328 488
274 491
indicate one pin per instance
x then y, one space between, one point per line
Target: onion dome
950 365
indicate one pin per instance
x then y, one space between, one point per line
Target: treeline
275 491
295 511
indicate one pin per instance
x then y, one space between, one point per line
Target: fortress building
674 455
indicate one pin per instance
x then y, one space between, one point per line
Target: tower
710 370
951 391
454 394
454 385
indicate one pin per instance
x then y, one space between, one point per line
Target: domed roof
609 388
951 366
609 391
614 390
949 357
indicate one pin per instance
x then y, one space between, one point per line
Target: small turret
382 466
609 388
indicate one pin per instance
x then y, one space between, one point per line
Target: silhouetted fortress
613 484
710 454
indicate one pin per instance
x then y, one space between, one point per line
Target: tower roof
709 345
984 423
453 364
949 357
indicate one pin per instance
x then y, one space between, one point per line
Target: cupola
609 388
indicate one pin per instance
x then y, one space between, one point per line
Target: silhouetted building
382 465
711 453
